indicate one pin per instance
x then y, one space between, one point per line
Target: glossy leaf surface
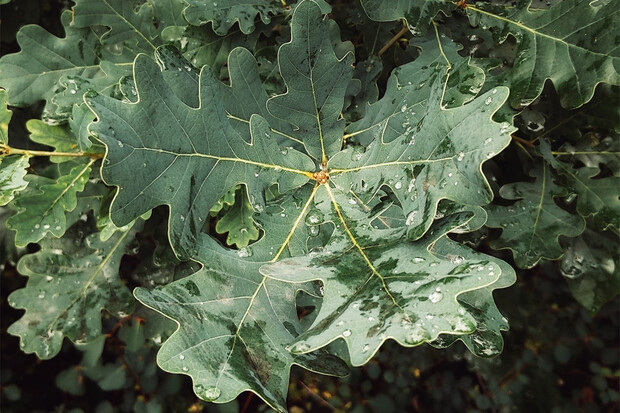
532 225
69 282
571 43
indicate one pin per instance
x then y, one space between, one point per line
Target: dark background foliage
558 357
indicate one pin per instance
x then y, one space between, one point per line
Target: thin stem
586 153
7 150
523 141
393 40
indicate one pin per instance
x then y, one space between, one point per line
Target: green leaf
316 82
223 14
201 46
233 328
487 340
245 80
13 169
532 225
237 221
184 139
5 117
435 154
32 74
596 197
591 266
70 280
379 286
410 87
128 26
41 208
573 43
60 138
418 13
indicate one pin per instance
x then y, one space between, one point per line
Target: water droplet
410 218
487 141
314 231
120 144
371 318
300 348
346 333
49 278
181 357
457 260
46 226
212 393
366 348
37 226
314 217
352 201
418 260
398 185
244 252
41 294
417 335
403 108
488 101
435 297
461 156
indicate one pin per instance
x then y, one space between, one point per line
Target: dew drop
403 108
212 393
457 260
435 297
366 348
410 218
398 185
461 156
244 252
488 101
185 368
346 333
314 231
181 357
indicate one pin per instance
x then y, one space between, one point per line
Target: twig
393 40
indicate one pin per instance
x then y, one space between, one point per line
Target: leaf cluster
298 184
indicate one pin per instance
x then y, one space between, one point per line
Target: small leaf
5 117
532 225
41 208
13 169
70 280
591 266
60 138
238 222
